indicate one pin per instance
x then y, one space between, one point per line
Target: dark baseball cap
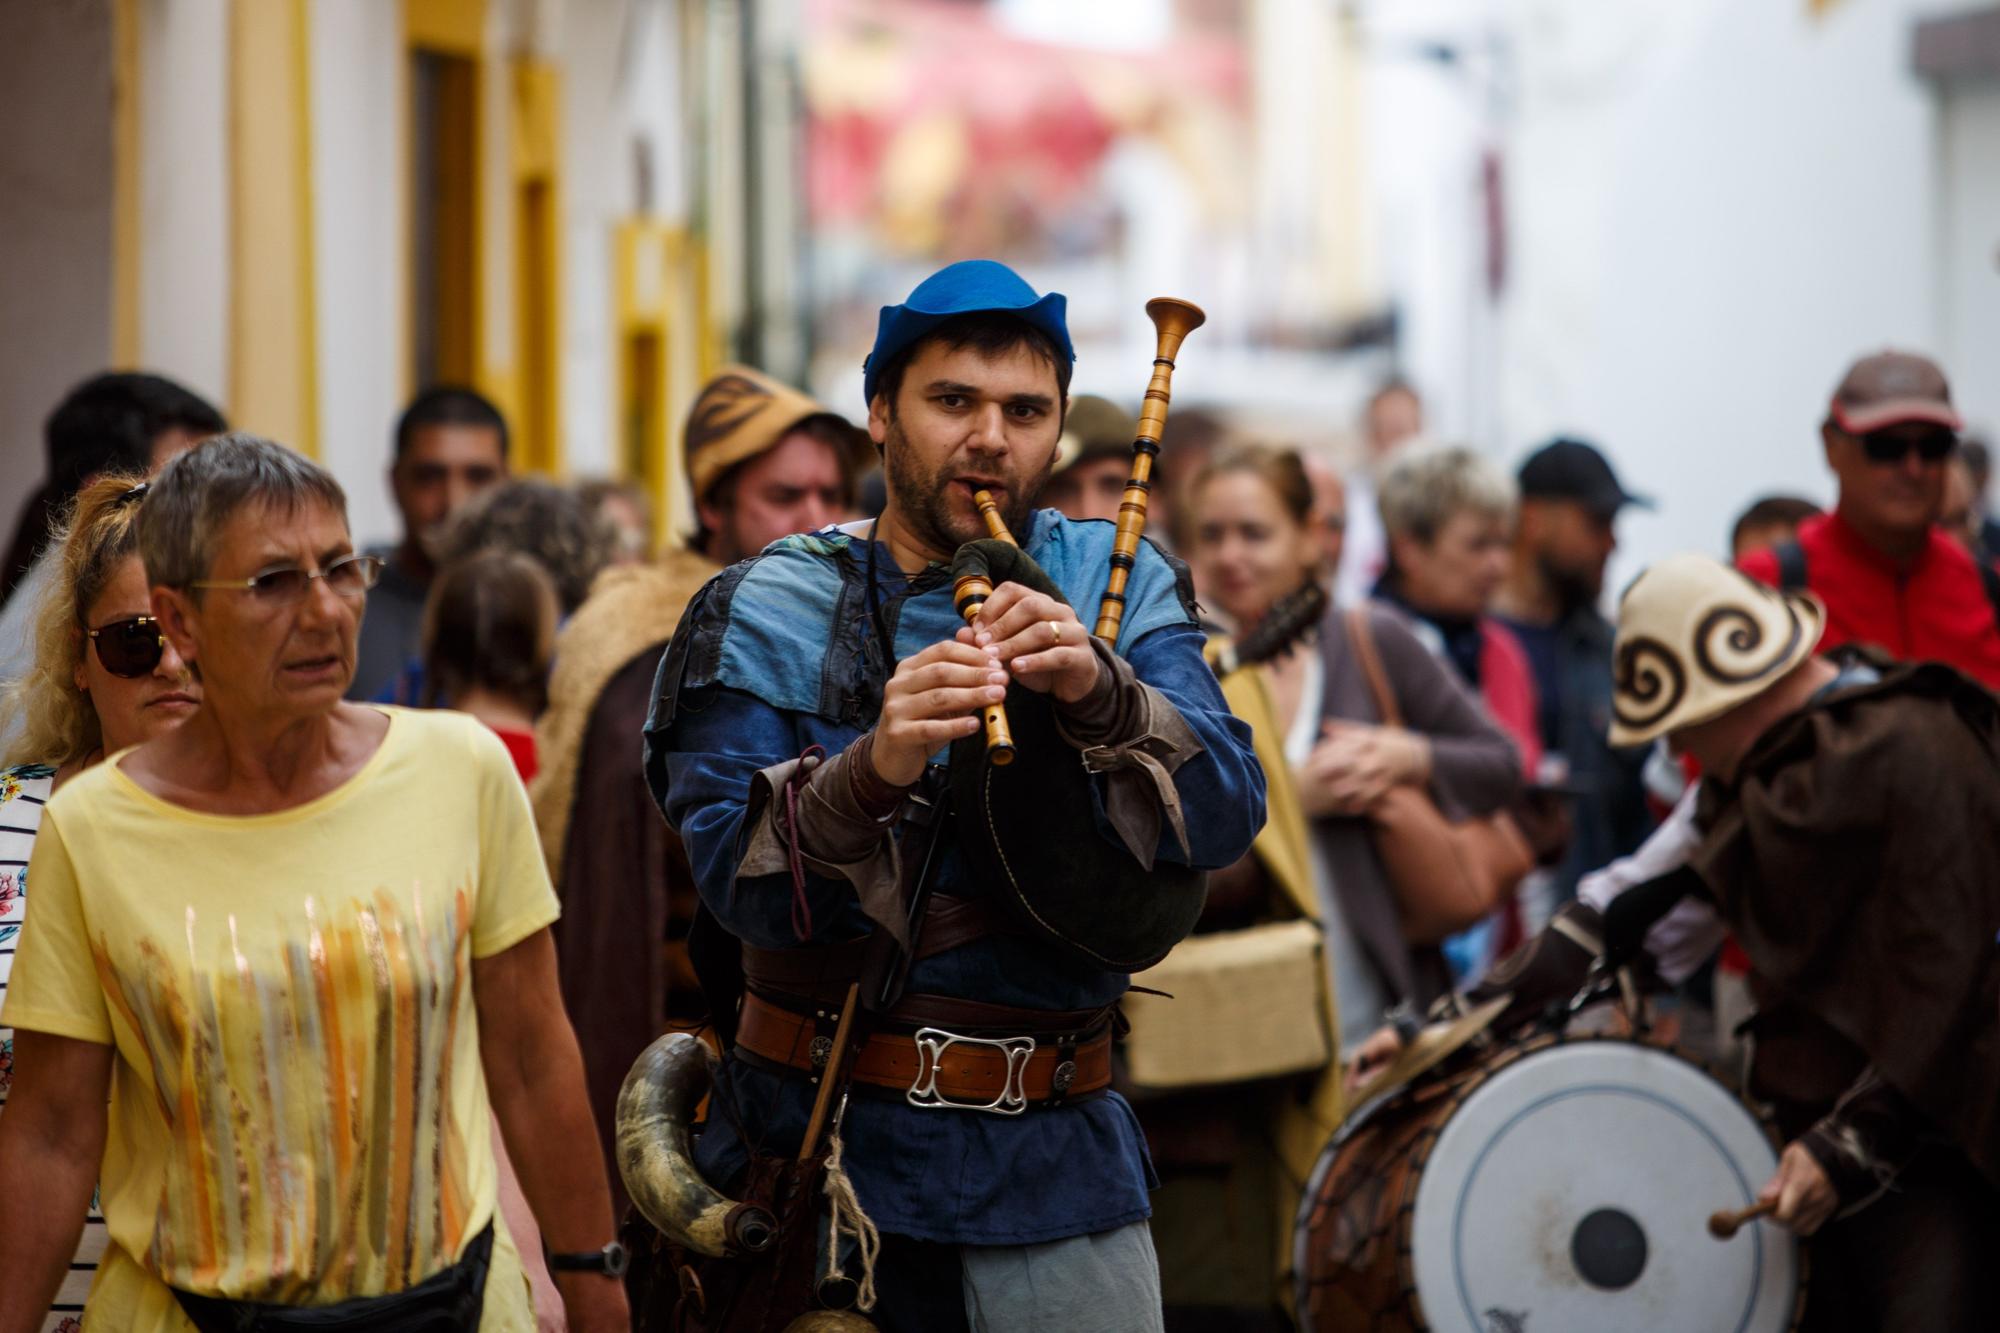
1893 389
1572 470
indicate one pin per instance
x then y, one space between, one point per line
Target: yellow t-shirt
298 1110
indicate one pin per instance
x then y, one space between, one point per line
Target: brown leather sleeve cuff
874 798
1548 968
1133 735
836 835
1864 1143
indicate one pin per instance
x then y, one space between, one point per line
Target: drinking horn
656 1108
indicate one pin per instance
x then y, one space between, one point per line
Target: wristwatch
611 1261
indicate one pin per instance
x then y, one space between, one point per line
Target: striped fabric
23 793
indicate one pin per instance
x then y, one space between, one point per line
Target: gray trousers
1106 1283
1103 1283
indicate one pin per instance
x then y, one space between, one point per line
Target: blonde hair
1426 488
101 532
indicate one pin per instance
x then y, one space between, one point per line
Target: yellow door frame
273 319
668 344
538 290
456 30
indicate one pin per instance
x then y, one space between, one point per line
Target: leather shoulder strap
1361 640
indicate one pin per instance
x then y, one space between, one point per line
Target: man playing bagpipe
938 934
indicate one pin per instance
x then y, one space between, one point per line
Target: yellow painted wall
537 221
126 160
668 344
273 373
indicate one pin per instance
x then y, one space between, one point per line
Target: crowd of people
362 876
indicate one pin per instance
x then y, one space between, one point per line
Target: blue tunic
777 654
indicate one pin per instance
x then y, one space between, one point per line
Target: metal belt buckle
932 1043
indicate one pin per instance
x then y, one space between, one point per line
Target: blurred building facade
306 209
1662 224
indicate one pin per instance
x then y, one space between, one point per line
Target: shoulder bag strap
1361 640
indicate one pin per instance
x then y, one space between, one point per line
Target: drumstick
1723 1223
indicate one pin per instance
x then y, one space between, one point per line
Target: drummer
1844 835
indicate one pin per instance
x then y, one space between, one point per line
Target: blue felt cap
959 289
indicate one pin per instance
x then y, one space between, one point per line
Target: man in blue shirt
1008 1181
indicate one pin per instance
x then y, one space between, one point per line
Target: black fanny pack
448 1301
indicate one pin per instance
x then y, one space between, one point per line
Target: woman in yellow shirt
296 943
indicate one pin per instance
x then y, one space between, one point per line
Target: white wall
1969 259
1766 219
1712 209
620 87
184 193
359 218
55 222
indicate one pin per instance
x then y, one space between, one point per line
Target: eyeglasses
281 585
129 648
1890 446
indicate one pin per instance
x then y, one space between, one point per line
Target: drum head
1571 1191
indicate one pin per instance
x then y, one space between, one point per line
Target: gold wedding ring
1055 630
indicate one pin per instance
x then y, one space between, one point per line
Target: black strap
1990 578
1635 911
887 969
450 1300
1791 565
1791 558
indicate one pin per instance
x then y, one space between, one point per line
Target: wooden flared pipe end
1726 1222
1001 755
1172 315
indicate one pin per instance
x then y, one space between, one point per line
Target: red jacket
1508 683
1936 611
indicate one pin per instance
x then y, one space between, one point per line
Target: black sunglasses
129 648
1888 446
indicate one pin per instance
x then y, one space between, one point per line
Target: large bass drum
1561 1185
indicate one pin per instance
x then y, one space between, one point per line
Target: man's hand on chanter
933 699
1039 639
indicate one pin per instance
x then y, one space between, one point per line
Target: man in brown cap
763 461
1093 459
1888 574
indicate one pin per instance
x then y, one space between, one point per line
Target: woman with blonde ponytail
103 679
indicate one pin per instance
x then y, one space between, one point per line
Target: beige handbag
1246 1004
1446 875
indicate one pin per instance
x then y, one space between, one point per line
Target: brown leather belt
936 1068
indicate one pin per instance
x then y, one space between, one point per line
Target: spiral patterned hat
1696 638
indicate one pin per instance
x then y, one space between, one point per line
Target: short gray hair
1424 490
198 492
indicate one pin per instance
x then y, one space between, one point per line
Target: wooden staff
1173 320
968 594
830 1074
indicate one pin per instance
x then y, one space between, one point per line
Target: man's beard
1573 588
922 496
